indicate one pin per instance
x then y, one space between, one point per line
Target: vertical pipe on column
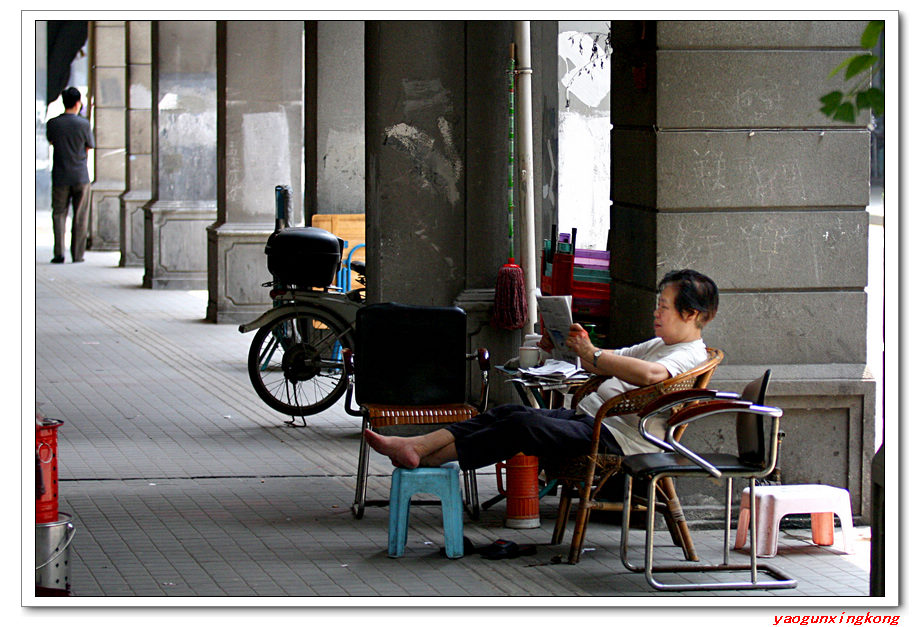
525 163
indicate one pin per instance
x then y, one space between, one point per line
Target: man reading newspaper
687 301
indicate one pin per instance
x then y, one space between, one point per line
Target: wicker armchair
586 475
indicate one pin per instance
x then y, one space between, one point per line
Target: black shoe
76 260
57 260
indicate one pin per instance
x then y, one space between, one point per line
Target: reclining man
687 301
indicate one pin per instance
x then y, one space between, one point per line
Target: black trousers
504 431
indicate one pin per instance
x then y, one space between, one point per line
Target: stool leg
744 519
452 514
768 517
400 502
846 526
822 528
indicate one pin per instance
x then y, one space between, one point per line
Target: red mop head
510 310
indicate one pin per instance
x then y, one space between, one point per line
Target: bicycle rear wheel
295 362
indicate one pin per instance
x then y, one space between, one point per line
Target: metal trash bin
52 556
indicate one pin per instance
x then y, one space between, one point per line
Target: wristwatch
597 354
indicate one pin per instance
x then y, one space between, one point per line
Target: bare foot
399 450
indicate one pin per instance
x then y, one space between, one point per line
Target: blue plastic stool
444 482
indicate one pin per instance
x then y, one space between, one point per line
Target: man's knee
515 414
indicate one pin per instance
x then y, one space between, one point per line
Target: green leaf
845 113
860 64
871 34
832 99
876 99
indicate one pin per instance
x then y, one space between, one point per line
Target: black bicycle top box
305 256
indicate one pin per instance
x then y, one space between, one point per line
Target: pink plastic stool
774 502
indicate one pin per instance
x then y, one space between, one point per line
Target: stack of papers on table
554 370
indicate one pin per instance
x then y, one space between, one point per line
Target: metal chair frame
408 418
680 461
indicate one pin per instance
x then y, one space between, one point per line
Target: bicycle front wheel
295 362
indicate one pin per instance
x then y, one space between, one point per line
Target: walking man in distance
71 137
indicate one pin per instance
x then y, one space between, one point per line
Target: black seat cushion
646 465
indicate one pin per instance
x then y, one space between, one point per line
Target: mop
510 310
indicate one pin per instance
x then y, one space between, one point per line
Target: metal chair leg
357 509
625 523
471 488
779 579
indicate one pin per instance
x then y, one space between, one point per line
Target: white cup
528 356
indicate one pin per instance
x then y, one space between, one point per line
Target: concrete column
723 162
139 157
340 117
416 179
42 147
109 110
544 35
184 201
260 145
437 158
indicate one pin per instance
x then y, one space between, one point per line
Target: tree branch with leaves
862 67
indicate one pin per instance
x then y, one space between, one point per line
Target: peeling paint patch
438 168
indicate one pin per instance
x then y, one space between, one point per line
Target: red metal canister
46 459
522 491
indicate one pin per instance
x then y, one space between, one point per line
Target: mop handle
511 156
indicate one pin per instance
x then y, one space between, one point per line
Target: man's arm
629 369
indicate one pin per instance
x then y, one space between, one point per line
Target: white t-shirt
676 358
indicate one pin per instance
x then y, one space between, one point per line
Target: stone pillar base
105 216
132 228
175 244
237 268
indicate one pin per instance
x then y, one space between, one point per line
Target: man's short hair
70 97
695 292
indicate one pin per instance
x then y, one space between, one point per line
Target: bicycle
295 359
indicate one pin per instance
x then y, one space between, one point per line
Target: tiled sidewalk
183 484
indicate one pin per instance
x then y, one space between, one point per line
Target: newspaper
555 370
556 313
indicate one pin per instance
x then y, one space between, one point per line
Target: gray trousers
63 197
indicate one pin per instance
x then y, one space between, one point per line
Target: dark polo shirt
70 135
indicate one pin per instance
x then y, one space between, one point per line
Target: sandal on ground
505 549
